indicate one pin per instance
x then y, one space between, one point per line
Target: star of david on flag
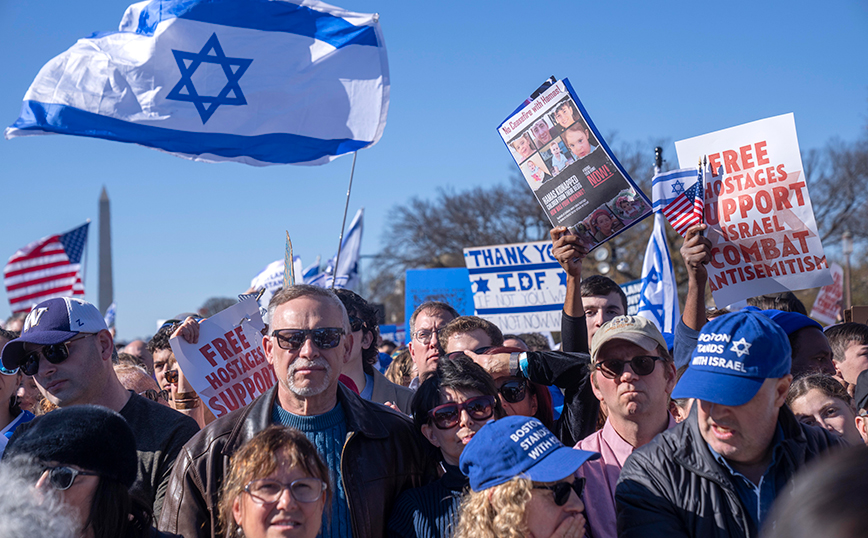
658 300
259 82
680 197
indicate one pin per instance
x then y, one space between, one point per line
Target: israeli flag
668 186
347 274
658 300
259 82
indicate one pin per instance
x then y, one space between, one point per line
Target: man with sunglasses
373 386
425 325
717 473
373 452
67 348
632 374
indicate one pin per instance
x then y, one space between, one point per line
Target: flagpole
344 222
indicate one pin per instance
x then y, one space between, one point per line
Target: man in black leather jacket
373 453
717 473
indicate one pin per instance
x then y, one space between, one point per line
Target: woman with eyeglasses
87 454
523 483
11 414
449 407
277 486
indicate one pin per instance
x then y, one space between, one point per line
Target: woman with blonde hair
277 486
523 483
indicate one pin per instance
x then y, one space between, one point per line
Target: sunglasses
641 365
303 490
478 351
293 339
157 395
53 353
514 391
562 490
171 376
448 416
357 324
61 477
5 371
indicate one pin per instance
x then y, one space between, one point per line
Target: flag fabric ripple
259 82
678 194
44 269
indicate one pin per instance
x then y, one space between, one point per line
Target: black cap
861 395
92 437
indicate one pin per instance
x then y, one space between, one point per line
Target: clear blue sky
185 231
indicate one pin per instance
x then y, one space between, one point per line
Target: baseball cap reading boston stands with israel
518 446
51 322
735 354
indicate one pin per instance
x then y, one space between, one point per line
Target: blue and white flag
311 271
658 300
668 186
254 81
110 315
347 274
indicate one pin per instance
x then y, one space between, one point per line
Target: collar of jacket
257 416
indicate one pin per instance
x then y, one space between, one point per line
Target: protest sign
828 303
394 333
227 366
518 287
570 168
447 285
633 291
761 224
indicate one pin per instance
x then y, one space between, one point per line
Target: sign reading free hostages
227 365
518 287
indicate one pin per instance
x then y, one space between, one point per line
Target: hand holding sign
569 250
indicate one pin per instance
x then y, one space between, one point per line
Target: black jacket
673 487
383 455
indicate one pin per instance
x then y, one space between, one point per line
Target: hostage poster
760 220
573 173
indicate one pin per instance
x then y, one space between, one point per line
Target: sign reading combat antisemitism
518 287
761 224
575 176
227 366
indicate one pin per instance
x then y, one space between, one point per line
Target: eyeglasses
449 415
641 365
53 353
303 490
174 322
478 351
62 477
424 335
357 324
157 395
514 391
293 339
562 490
5 371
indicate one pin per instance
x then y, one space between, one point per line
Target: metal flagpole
344 223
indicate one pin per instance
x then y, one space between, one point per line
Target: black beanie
92 437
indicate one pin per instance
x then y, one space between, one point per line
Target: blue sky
185 231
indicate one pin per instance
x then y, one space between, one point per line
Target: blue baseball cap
790 322
518 446
735 354
51 322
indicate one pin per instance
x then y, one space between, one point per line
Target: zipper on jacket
344 483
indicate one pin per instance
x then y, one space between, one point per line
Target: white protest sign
828 303
518 287
761 223
227 366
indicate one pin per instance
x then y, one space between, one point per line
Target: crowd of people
752 424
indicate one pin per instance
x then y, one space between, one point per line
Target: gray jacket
673 487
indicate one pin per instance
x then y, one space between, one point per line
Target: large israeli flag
658 300
254 81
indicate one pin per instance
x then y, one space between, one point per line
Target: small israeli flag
253 81
658 300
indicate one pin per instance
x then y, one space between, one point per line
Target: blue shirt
757 499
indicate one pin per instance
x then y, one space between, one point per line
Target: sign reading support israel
518 287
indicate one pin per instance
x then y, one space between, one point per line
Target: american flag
686 210
50 267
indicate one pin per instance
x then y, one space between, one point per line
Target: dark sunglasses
293 339
53 353
357 324
641 365
61 477
562 490
514 391
171 376
478 351
157 395
449 415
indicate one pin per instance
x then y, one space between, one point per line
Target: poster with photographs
570 168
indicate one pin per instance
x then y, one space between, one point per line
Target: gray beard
308 390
